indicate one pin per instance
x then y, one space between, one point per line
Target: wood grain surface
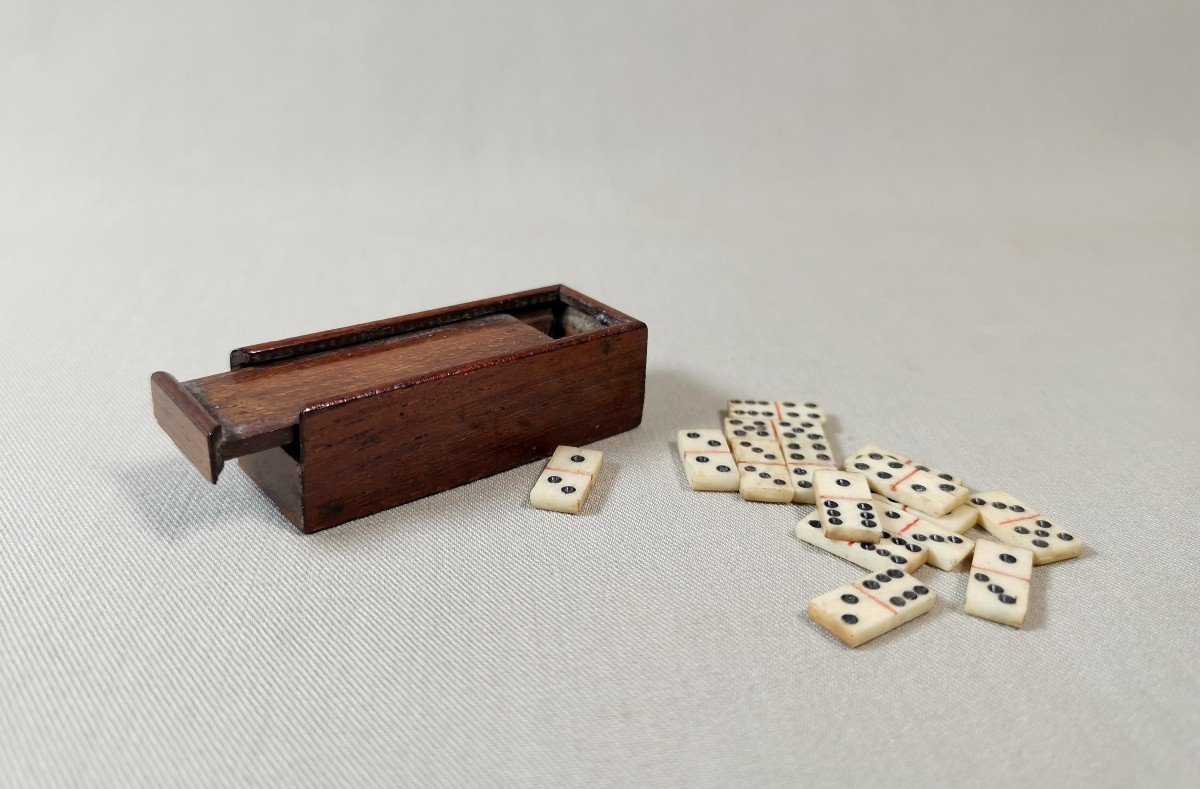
377 451
189 425
259 407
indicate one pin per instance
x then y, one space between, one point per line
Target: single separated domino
845 507
946 549
889 553
567 480
899 478
999 585
707 460
805 449
958 520
1012 521
776 409
871 606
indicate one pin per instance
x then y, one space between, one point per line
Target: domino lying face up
871 606
707 460
899 478
845 506
774 410
1014 522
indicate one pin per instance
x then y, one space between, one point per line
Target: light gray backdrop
969 228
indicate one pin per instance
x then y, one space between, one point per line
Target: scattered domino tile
947 550
707 460
1012 521
776 409
958 520
898 478
567 480
871 606
764 481
735 427
999 586
805 449
875 449
845 507
889 553
777 451
749 450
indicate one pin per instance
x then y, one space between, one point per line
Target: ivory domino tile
947 550
871 606
707 460
899 478
1014 522
958 520
805 450
999 585
567 480
776 409
764 481
889 553
845 506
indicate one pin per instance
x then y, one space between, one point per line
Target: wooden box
344 423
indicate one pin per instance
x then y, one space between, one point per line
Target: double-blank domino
567 480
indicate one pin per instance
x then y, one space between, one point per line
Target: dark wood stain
258 407
341 424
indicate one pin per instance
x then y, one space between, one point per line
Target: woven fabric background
970 229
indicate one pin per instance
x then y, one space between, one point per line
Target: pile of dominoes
882 511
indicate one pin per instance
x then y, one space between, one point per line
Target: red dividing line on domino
915 521
706 452
844 498
906 476
568 471
873 597
998 572
1018 520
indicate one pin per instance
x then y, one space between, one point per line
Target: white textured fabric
968 228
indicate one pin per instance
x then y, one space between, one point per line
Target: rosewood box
344 423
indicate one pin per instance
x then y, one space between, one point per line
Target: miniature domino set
882 511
